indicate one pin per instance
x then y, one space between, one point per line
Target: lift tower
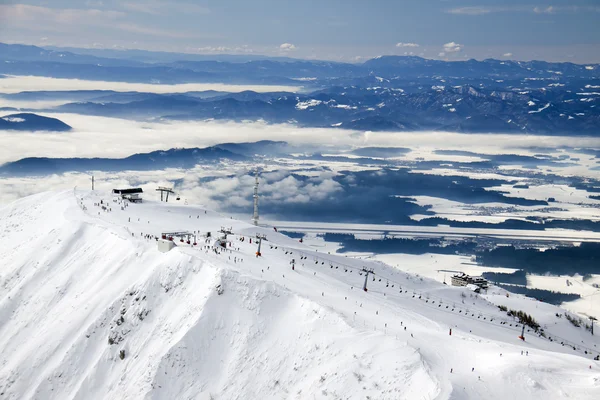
255 215
164 190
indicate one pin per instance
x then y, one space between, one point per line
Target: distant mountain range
156 160
32 122
449 108
32 60
389 93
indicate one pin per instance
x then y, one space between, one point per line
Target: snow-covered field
411 231
90 309
575 204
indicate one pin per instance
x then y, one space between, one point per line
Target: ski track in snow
74 280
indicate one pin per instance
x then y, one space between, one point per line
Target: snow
345 106
196 324
569 203
14 119
540 109
303 105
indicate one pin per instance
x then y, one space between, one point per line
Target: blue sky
350 30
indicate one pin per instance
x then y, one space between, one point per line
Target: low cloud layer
219 187
117 138
16 84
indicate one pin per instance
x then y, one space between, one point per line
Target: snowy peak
92 309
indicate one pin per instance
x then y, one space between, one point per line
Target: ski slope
90 309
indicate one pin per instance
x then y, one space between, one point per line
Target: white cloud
152 31
441 54
565 9
94 3
507 55
400 44
477 10
287 47
544 10
156 7
26 15
452 47
482 10
74 21
223 49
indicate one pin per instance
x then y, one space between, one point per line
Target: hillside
90 309
32 122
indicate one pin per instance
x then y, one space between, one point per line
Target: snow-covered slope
90 309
